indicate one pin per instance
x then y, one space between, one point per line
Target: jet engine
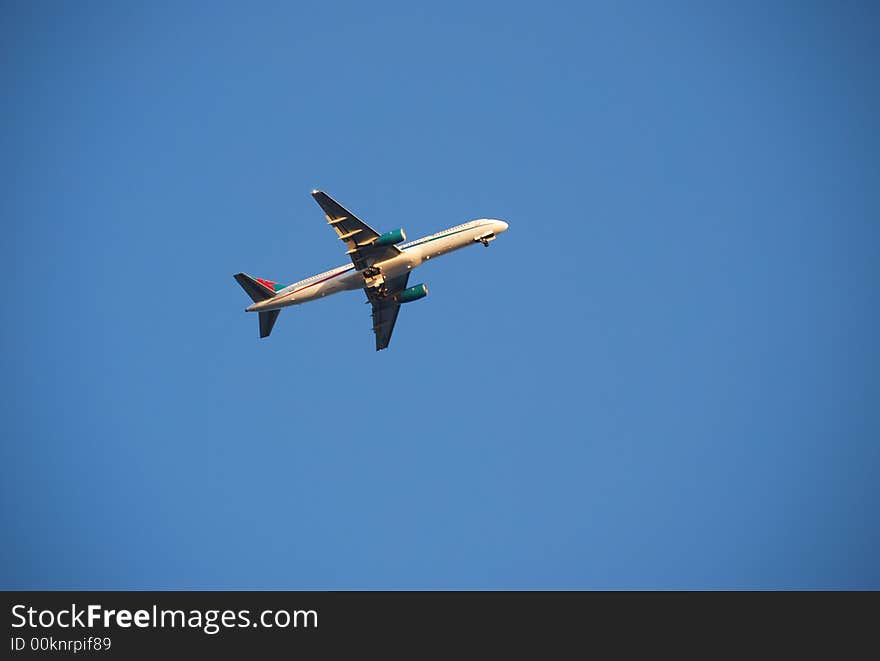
412 294
391 238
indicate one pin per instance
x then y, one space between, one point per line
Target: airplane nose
502 227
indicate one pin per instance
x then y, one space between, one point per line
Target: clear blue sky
665 374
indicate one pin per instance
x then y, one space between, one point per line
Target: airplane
381 264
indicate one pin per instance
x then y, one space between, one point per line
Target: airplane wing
357 235
385 310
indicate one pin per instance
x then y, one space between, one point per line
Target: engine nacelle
391 238
412 294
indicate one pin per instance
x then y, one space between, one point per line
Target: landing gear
485 242
374 282
377 292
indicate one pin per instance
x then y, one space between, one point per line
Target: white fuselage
413 255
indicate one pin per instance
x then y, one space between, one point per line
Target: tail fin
260 290
267 320
257 289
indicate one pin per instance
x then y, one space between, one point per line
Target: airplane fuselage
413 254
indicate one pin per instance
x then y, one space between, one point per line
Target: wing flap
385 310
355 233
384 318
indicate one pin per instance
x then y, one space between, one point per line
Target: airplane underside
381 266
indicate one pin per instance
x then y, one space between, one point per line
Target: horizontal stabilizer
267 320
253 288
